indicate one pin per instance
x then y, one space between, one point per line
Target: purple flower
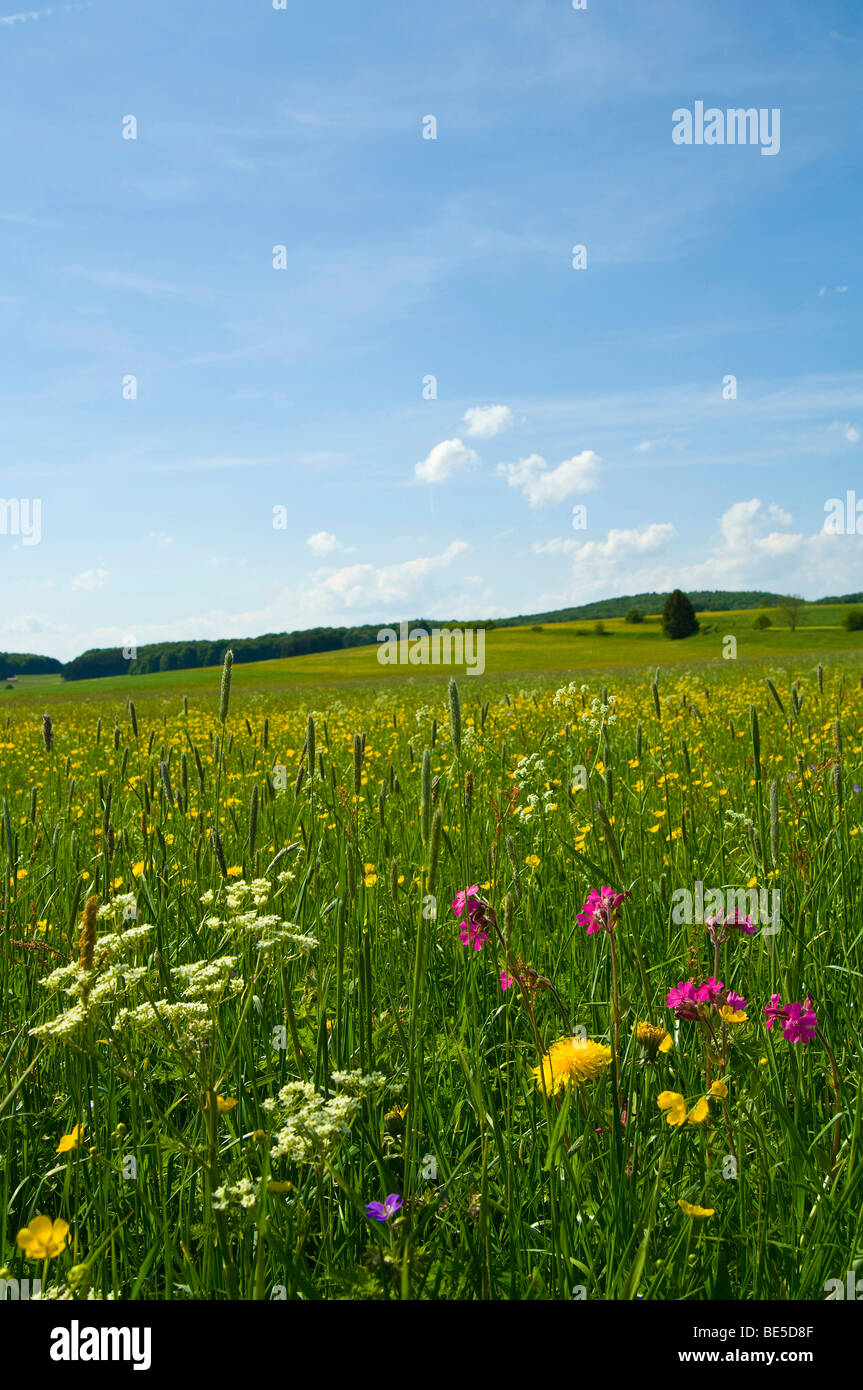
799 1022
472 928
600 911
720 928
382 1211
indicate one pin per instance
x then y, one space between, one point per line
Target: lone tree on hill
678 617
791 607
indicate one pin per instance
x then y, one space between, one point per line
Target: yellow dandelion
70 1141
223 1104
689 1210
699 1112
729 1015
674 1103
44 1238
572 1060
652 1038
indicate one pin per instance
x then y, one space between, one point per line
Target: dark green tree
678 617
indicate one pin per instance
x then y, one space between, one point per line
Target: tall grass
343 971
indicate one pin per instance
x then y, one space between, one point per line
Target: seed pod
134 718
88 933
468 791
47 732
298 785
820 679
425 797
165 773
454 716
266 738
837 784
225 686
756 741
216 842
654 690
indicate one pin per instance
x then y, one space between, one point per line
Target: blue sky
408 257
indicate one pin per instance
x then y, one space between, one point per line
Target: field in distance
558 648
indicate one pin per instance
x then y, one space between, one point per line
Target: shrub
634 615
678 617
853 620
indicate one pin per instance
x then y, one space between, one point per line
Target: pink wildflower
600 911
799 1021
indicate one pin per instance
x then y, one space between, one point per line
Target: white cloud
160 539
647 444
370 586
625 544
849 432
323 543
542 485
445 460
778 514
485 421
90 579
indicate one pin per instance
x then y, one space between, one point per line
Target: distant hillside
717 601
183 656
25 664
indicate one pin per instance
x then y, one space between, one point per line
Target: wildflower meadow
439 990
